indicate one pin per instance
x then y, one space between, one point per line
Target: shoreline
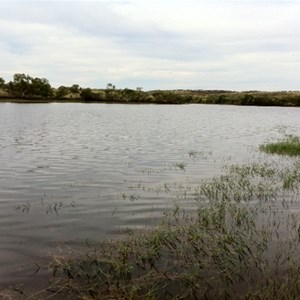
26 89
47 101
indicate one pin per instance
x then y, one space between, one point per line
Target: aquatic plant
242 241
289 146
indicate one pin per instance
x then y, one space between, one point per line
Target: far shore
26 89
126 96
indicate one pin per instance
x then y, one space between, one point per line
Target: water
76 172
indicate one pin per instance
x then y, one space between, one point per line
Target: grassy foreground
289 146
242 242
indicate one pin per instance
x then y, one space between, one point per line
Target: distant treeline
24 88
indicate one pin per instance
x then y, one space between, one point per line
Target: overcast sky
236 45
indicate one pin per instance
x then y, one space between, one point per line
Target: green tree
2 82
129 95
86 94
20 86
40 87
90 95
24 86
61 92
74 89
110 86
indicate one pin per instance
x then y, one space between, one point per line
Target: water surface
76 172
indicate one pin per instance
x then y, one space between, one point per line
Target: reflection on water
71 172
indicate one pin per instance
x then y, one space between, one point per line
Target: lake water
76 172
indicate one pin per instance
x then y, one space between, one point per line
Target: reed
289 146
242 242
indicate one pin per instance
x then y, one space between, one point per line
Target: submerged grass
241 242
289 146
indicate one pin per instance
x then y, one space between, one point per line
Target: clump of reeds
241 242
289 146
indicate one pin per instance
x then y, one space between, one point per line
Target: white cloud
154 44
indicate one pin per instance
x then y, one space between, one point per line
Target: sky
165 44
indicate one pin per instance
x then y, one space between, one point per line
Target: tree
74 89
2 82
86 94
90 95
61 92
24 86
128 92
40 87
20 86
110 86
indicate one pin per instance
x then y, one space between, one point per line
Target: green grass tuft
241 241
290 146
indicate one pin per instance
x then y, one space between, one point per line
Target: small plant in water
24 208
181 166
289 146
242 239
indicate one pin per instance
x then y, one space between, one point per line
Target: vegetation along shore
240 242
26 89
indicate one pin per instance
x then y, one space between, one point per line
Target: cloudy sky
166 44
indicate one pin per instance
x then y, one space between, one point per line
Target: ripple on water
65 168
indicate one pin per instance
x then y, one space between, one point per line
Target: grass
289 146
242 242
